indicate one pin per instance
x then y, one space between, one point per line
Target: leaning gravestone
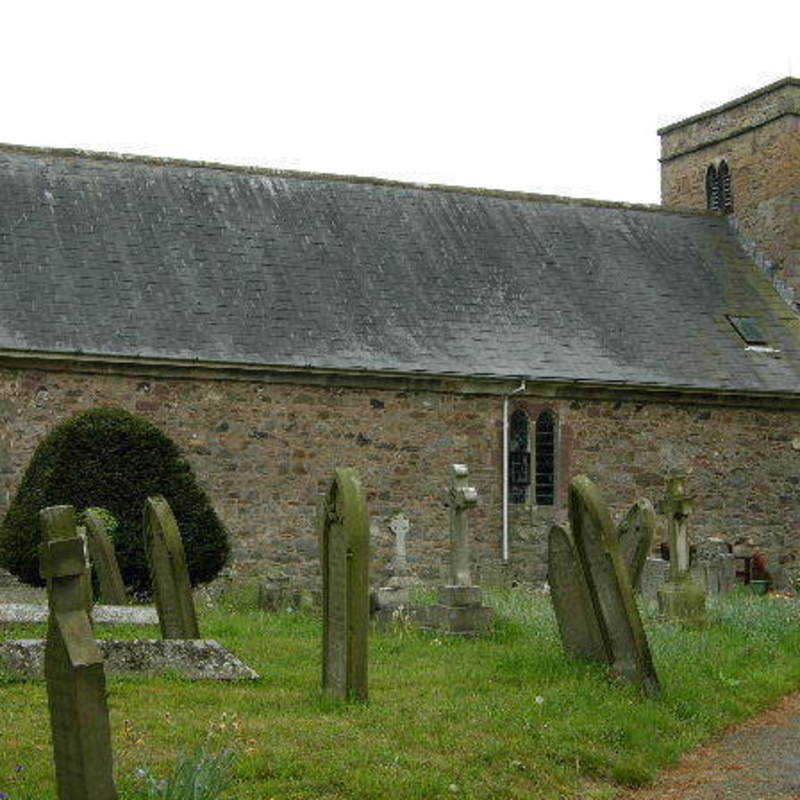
104 559
577 619
76 687
344 534
609 585
172 590
636 533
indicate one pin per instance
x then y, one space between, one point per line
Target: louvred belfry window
545 458
712 189
719 193
519 457
724 182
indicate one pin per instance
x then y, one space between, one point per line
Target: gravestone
395 593
609 587
460 609
76 687
636 533
680 598
344 541
713 566
172 590
577 619
104 559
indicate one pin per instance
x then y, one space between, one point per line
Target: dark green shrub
110 458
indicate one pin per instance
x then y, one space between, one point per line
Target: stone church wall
265 451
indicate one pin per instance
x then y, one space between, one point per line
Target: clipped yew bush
110 458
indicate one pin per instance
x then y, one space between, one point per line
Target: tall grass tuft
199 776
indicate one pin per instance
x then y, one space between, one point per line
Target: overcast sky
558 97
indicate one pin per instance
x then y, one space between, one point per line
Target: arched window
712 189
545 479
519 457
724 182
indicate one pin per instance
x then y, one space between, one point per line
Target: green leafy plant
199 776
114 460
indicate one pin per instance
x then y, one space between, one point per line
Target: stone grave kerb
344 533
76 688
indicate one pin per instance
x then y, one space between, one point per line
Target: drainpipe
520 388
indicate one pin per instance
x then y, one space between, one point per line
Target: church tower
743 159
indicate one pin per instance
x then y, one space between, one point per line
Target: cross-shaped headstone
460 498
399 526
677 506
73 666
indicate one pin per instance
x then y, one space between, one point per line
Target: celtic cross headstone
461 497
344 535
76 687
680 598
172 590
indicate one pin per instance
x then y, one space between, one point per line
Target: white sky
557 97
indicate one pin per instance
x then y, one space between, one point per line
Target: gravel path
757 760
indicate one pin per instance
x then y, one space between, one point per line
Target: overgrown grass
505 716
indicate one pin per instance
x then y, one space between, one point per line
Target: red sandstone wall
265 452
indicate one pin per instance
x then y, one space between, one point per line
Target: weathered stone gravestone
460 609
344 540
607 580
713 566
104 559
636 533
680 598
395 593
172 590
577 620
76 687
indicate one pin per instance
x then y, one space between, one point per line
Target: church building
276 325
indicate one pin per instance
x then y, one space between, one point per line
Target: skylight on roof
749 329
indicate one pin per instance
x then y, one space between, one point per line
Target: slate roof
139 258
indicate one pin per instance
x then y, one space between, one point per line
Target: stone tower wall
759 137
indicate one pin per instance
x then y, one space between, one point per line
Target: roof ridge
506 194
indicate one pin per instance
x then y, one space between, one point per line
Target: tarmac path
756 760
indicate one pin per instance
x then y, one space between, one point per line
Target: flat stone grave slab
101 614
195 659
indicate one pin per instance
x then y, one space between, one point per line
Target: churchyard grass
502 716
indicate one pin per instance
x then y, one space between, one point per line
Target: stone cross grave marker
172 590
609 585
636 533
76 687
680 598
344 534
677 506
460 498
399 525
104 559
578 623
